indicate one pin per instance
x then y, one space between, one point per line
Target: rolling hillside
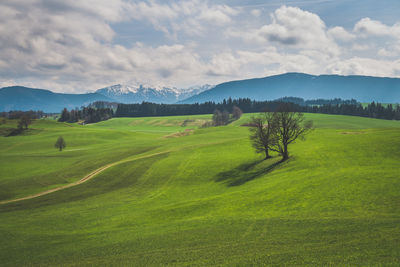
203 198
361 88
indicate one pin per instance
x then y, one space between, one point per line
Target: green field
181 195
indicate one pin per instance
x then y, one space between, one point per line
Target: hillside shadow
246 172
9 132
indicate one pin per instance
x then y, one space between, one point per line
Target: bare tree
262 134
236 113
24 121
60 144
220 118
289 126
225 117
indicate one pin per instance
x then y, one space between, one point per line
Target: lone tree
236 113
60 144
24 122
262 134
289 125
276 131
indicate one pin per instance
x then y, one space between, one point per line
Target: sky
79 46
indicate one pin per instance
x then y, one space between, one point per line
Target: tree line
372 110
147 109
86 114
16 114
104 104
335 106
316 102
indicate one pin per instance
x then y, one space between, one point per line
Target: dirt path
84 179
105 167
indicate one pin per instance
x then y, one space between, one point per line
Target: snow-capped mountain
156 94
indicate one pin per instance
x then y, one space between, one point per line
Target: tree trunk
285 154
267 156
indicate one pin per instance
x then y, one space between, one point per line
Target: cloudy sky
80 46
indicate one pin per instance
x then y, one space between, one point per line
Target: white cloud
256 12
383 52
390 51
340 34
360 47
368 27
72 50
182 16
69 45
294 28
215 16
224 64
365 66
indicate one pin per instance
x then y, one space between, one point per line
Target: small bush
186 122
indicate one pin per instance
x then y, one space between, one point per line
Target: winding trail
81 181
105 167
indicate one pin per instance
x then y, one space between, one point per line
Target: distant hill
129 94
23 98
361 88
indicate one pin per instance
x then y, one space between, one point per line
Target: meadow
183 195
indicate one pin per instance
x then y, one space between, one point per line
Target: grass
208 200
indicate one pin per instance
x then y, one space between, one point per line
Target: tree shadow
247 171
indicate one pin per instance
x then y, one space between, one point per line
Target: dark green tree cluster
275 131
146 109
335 106
16 114
372 110
316 102
104 104
86 114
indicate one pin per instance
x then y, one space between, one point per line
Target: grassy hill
201 196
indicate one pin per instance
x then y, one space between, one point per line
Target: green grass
208 200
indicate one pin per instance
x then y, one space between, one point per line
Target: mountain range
361 88
137 94
23 98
